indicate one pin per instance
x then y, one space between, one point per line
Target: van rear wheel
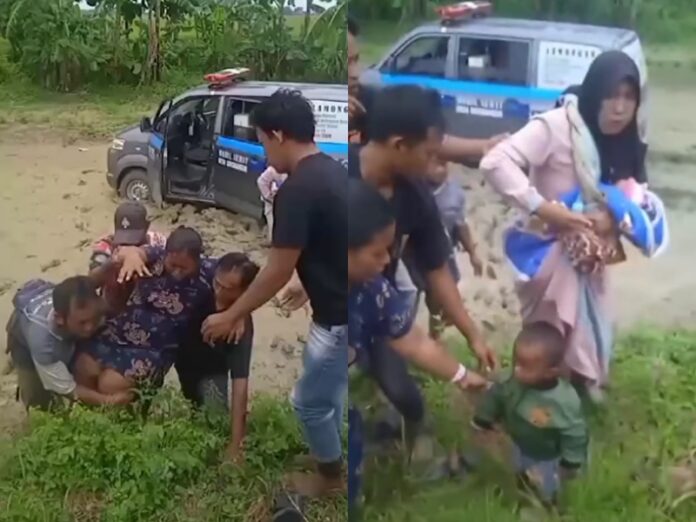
135 186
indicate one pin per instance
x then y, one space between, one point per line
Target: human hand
602 222
560 217
293 297
120 398
476 264
493 141
132 263
487 358
237 332
472 381
218 326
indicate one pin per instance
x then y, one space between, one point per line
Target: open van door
156 152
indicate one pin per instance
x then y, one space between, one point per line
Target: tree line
64 47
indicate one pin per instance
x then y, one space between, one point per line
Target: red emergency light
463 11
226 77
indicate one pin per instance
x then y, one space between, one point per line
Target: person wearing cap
131 228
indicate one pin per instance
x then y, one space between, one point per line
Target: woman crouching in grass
376 310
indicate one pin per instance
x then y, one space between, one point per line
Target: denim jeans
320 393
543 475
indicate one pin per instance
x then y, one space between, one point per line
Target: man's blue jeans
321 392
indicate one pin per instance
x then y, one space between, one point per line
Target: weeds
642 465
87 465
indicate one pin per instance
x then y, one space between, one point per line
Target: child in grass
450 199
540 411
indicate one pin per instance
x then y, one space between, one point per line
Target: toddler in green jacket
540 411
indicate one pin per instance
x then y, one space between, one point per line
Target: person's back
31 327
322 265
47 321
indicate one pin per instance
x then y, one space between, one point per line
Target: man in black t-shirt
400 150
310 235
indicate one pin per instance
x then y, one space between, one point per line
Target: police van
495 73
199 146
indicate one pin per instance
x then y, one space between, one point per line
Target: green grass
87 465
646 427
98 111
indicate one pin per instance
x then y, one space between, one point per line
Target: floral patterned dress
141 342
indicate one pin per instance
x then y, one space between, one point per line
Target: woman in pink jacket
592 139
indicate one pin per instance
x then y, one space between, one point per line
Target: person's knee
86 370
311 410
111 382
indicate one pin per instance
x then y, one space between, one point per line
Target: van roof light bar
227 77
461 12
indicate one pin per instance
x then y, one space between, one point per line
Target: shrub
111 466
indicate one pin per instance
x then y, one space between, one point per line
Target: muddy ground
55 202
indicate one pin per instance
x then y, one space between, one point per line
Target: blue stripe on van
336 149
156 141
475 88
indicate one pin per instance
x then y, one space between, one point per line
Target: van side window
425 56
236 122
493 61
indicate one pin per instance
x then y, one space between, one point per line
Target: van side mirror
145 124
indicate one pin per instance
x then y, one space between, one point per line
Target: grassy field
646 428
97 112
91 466
100 111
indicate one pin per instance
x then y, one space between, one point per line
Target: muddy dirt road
55 202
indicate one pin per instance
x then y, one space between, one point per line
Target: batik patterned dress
141 342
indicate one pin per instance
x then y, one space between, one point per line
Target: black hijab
623 155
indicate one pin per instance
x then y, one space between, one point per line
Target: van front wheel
135 186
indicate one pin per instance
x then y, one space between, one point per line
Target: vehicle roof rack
227 77
462 12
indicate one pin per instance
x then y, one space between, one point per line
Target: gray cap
130 224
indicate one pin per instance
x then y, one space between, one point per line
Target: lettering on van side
491 108
233 161
500 108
